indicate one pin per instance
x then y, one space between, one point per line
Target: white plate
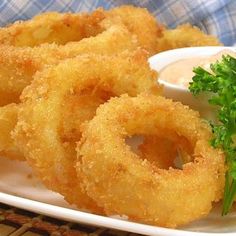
19 188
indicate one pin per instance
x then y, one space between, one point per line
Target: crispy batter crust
47 139
185 36
18 65
8 119
52 27
123 184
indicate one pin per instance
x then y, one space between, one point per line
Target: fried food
140 23
48 126
123 184
73 63
52 27
46 39
185 36
18 65
61 28
100 32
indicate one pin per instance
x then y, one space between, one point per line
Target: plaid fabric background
216 17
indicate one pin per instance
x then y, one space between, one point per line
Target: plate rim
96 220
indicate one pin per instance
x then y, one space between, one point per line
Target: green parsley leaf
221 82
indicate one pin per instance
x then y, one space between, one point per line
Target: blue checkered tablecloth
217 17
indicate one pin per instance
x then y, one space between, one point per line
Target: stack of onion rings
27 47
18 65
73 63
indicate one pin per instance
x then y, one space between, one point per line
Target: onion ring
123 184
27 46
52 27
61 28
41 133
185 36
140 23
18 65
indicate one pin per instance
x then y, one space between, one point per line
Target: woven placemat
18 222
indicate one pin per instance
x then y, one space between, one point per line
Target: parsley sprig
221 82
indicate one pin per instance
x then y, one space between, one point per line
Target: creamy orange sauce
181 71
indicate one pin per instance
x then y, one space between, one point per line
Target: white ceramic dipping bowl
178 93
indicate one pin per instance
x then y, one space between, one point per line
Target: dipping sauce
181 71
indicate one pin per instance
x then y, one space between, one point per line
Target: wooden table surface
18 222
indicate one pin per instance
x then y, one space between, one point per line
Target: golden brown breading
124 184
19 64
52 27
48 128
141 23
8 119
185 36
